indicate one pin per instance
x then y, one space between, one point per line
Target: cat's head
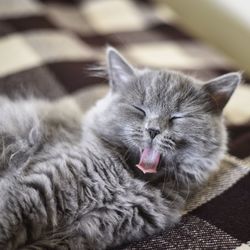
162 117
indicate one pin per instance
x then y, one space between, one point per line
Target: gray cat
121 174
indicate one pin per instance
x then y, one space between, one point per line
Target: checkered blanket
46 49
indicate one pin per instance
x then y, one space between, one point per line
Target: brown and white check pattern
46 47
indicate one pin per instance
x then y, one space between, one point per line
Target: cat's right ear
221 89
119 70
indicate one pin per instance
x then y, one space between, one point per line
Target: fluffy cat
121 174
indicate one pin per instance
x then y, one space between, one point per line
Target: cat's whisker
164 180
126 155
136 136
165 146
186 183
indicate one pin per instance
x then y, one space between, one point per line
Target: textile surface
46 50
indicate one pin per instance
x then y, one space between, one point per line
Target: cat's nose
153 132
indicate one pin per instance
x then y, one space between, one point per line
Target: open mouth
149 160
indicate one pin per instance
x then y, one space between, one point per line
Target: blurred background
48 46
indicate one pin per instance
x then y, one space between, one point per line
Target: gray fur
72 184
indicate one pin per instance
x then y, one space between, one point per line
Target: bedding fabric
48 48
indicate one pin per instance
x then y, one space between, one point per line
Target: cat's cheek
182 144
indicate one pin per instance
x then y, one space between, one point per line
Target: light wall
223 23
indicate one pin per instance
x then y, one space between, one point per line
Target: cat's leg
28 213
132 217
27 209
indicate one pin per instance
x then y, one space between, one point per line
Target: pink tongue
149 161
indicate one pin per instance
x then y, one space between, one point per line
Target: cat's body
68 184
79 192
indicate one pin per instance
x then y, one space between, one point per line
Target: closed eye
139 109
176 116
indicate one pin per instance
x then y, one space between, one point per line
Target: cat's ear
120 71
221 88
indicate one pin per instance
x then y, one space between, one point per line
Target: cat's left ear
221 88
120 71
